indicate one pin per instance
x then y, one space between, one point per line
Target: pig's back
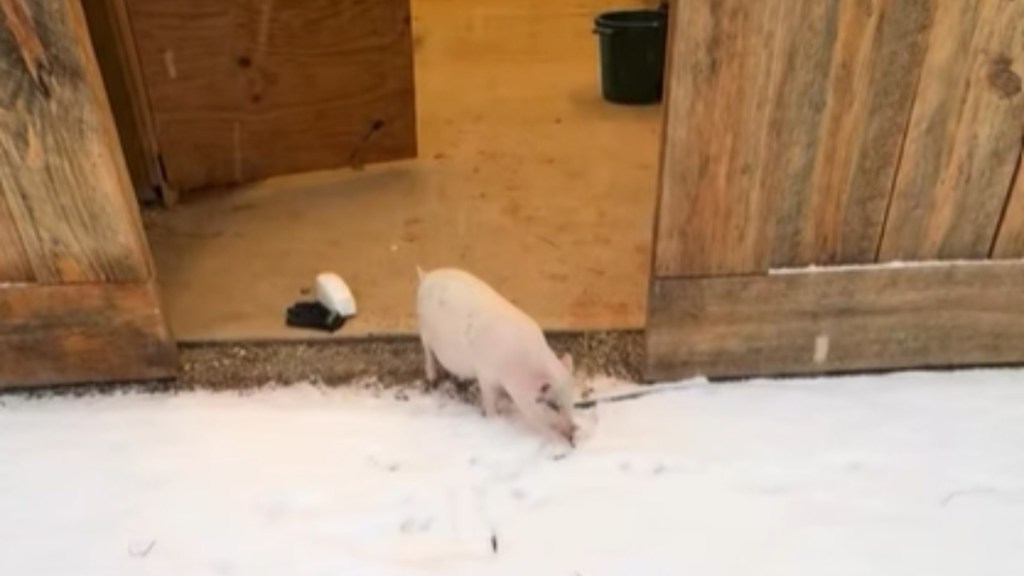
470 326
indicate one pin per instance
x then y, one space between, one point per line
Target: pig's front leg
430 363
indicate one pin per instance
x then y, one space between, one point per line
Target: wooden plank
84 333
62 173
246 90
111 39
783 129
878 61
718 75
965 136
1010 241
14 265
841 320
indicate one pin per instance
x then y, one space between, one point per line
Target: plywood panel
245 89
783 131
1010 242
837 321
964 138
62 173
84 333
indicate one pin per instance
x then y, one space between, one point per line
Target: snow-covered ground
905 474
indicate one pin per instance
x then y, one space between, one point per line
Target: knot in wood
1002 77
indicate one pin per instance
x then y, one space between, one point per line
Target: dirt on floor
381 364
388 362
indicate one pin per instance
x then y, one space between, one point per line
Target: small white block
821 349
334 293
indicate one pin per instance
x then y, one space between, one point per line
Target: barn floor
899 474
525 177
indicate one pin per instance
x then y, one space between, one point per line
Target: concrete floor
525 177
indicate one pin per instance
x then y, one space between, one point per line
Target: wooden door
245 89
840 188
78 301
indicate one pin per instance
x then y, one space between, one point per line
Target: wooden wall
78 301
840 132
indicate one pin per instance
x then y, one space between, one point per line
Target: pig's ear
567 361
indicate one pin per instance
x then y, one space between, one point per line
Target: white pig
475 333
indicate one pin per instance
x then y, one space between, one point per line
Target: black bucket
632 45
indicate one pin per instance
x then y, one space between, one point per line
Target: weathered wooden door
841 187
78 301
245 89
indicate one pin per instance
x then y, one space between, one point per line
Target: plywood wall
245 89
806 132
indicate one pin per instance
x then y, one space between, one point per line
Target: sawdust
385 365
387 362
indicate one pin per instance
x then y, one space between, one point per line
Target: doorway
523 175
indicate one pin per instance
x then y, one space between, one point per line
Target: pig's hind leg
429 362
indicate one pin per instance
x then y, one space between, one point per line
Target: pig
475 333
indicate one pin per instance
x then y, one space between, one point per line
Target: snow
891 265
901 474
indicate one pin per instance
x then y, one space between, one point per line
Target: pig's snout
567 430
